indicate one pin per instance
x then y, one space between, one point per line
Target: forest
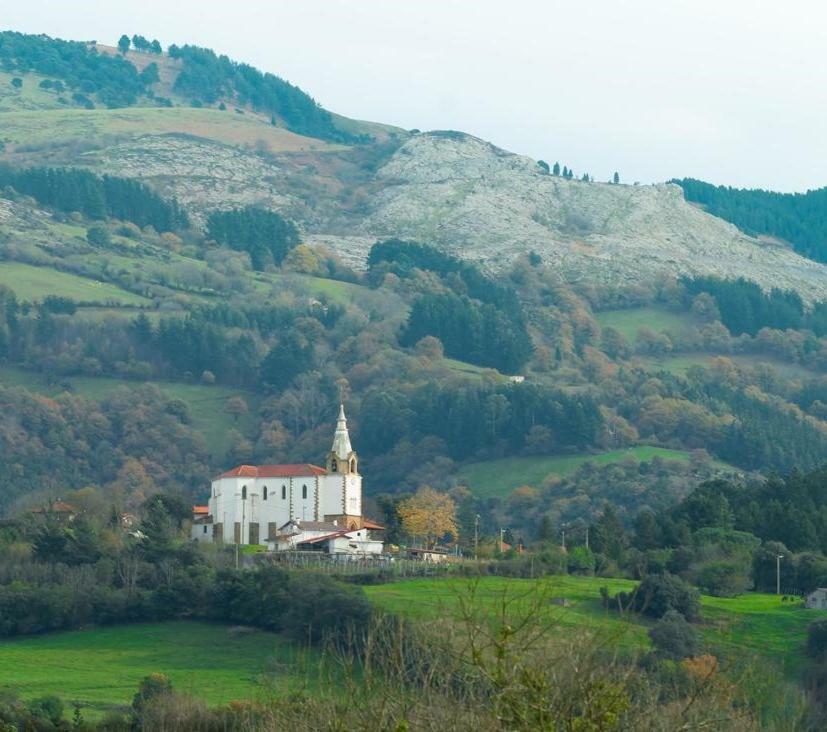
797 218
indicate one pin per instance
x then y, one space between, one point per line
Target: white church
292 507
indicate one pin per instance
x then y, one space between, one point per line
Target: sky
730 91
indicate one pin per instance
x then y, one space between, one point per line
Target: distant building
291 507
62 511
817 600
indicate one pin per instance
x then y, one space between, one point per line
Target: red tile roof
197 510
274 471
368 524
56 507
326 537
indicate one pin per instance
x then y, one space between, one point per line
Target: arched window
353 465
283 492
264 493
244 493
334 466
304 491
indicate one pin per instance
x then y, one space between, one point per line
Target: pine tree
556 169
124 43
616 178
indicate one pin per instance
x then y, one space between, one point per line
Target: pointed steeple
341 439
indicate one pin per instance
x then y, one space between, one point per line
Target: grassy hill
489 478
101 668
752 624
629 321
35 283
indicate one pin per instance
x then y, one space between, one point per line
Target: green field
101 668
753 624
681 363
206 403
628 322
490 478
34 283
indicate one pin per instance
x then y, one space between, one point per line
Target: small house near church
294 507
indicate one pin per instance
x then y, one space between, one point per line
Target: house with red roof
284 506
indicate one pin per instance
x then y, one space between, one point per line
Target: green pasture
753 624
34 283
490 478
629 321
101 668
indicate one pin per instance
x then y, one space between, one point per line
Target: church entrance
253 533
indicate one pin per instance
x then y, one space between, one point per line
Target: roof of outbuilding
293 470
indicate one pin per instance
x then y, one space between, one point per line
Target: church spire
341 439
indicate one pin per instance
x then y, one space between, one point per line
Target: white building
817 599
283 506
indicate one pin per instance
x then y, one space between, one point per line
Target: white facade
817 599
250 504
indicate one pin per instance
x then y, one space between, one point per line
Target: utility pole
563 531
778 558
502 533
587 536
476 536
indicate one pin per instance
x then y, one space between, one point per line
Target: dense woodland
798 218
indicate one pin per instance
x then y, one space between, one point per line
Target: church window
264 493
334 466
244 493
284 492
304 491
353 465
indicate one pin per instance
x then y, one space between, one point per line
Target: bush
724 578
659 593
98 236
321 608
673 637
817 638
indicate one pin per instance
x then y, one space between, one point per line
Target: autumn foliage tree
428 514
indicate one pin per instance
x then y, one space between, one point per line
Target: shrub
673 637
98 236
817 638
724 578
659 593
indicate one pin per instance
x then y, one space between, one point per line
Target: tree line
263 234
799 218
208 78
76 64
73 189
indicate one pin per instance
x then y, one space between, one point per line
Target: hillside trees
208 78
800 218
112 78
73 189
264 234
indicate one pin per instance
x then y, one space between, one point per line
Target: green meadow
489 478
753 624
102 667
34 283
629 321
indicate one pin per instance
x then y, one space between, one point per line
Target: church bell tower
342 459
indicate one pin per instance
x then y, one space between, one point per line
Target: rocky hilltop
490 205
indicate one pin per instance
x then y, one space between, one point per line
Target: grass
681 363
629 321
206 403
34 283
753 624
101 668
33 128
490 478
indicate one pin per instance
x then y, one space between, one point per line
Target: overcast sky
731 91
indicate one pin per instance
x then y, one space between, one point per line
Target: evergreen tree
556 169
124 43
